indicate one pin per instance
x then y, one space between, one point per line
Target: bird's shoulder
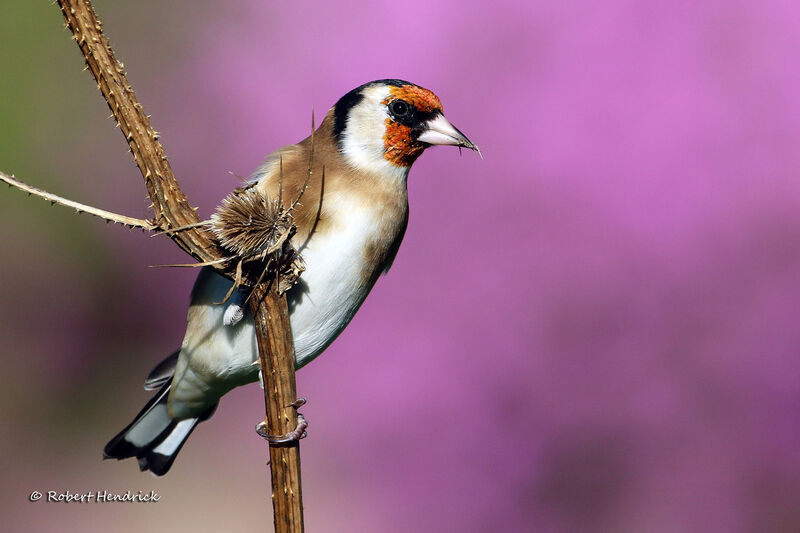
325 190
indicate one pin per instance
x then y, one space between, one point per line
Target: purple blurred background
592 329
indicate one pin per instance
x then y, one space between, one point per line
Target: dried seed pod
247 223
256 230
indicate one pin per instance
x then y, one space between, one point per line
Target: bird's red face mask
415 122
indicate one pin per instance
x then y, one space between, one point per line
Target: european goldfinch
350 222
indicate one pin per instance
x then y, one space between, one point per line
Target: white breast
334 285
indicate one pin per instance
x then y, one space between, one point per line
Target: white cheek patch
363 135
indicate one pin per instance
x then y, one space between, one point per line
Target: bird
350 224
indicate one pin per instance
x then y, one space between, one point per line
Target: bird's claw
300 402
288 438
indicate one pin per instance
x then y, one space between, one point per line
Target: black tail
153 437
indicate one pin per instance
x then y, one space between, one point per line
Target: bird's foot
288 438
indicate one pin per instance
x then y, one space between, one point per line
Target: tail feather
153 437
159 459
162 373
151 424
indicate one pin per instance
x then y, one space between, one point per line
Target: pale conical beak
438 130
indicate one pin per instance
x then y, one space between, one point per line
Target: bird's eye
399 108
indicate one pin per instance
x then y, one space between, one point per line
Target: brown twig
108 216
172 210
277 355
170 206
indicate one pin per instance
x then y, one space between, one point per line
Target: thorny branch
170 206
174 217
78 207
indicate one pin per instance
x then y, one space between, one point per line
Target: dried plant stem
172 210
277 355
170 205
79 207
